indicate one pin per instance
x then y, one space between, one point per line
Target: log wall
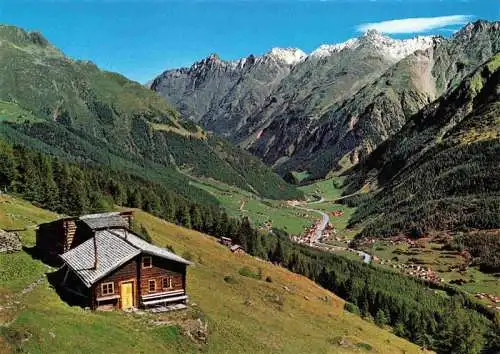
162 268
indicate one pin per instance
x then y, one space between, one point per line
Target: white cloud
416 24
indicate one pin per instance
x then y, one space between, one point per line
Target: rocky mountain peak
479 26
325 50
397 49
21 37
391 48
373 34
289 56
213 57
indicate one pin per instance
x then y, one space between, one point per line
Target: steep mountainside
74 110
221 95
442 170
337 104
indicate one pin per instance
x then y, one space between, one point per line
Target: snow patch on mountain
392 49
395 49
325 50
289 56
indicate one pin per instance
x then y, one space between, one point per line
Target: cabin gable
104 299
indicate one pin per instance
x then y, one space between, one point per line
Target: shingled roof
104 221
147 247
114 248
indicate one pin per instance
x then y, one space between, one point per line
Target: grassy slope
240 203
242 317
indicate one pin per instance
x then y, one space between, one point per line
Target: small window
107 288
147 262
152 285
167 283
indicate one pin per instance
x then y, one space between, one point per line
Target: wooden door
127 295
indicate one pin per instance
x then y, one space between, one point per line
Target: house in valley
107 266
237 249
226 241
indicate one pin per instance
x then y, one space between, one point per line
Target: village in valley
421 258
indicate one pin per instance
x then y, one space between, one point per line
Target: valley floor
426 258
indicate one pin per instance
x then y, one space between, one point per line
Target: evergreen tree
196 219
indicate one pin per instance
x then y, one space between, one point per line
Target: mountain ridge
290 116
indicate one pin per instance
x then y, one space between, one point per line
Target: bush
364 346
350 307
140 230
170 248
247 272
269 279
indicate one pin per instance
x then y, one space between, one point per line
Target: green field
288 314
240 203
440 261
330 189
11 112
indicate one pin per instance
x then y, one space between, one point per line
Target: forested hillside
74 110
442 171
445 320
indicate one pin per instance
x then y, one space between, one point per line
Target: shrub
350 307
170 248
247 272
364 346
140 230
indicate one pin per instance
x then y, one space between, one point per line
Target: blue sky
141 38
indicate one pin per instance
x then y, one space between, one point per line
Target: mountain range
72 109
326 111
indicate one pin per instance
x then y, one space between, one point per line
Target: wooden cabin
237 249
226 241
116 269
106 266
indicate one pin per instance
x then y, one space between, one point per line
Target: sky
142 38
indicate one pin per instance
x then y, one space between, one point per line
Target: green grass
245 316
11 112
300 176
327 188
440 261
240 203
330 190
